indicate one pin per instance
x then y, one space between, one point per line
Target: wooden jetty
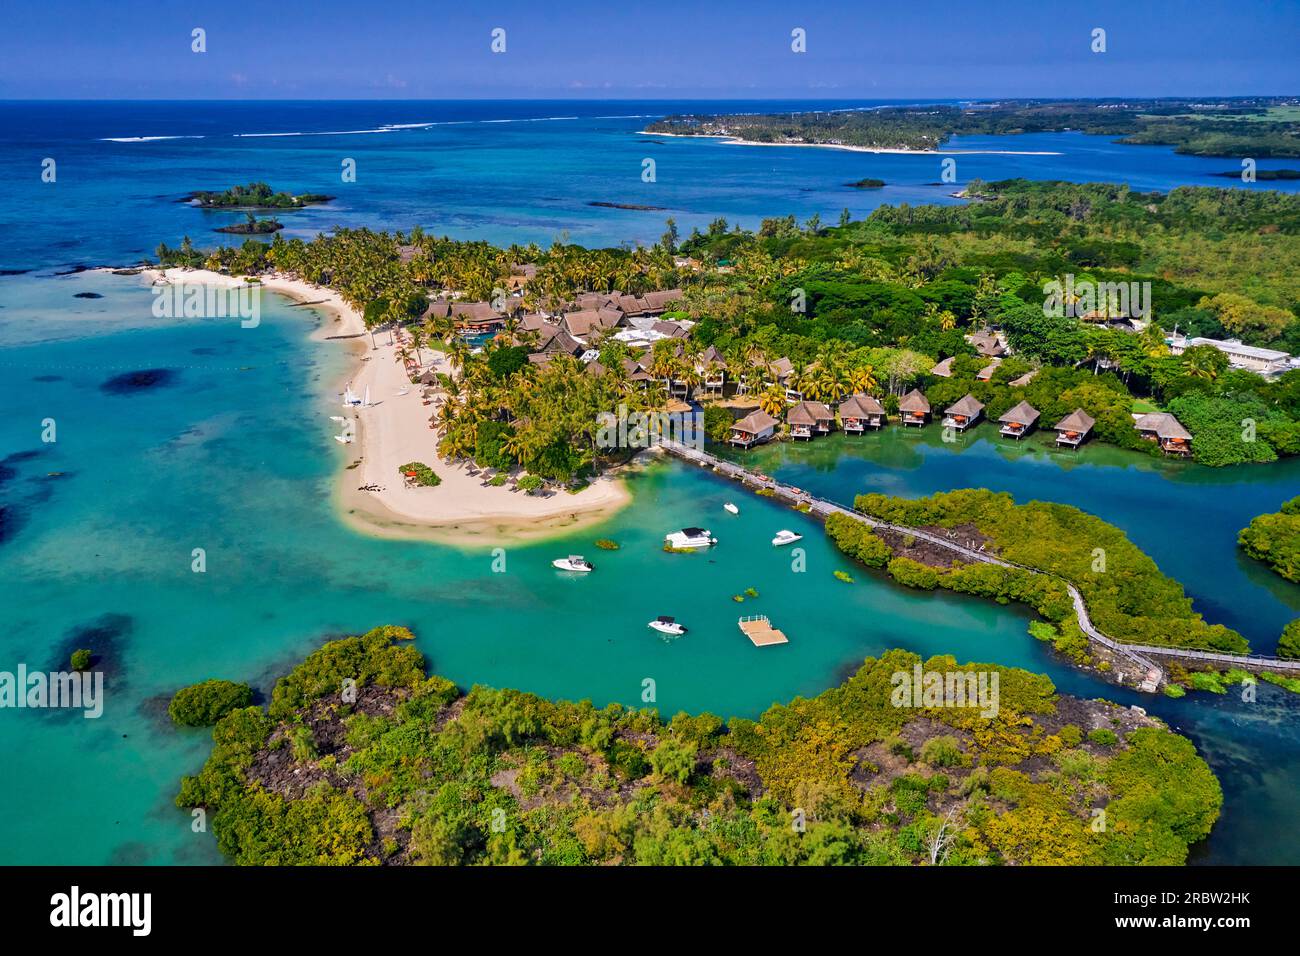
1143 655
761 632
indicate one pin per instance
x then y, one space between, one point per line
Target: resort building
636 373
860 412
914 408
988 344
1023 380
468 316
754 429
1249 357
808 419
1073 429
986 373
1167 431
1018 421
944 368
581 324
964 413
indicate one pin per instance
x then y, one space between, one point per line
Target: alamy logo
1085 297
977 690
134 910
81 690
203 300
628 429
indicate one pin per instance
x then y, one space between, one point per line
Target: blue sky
646 49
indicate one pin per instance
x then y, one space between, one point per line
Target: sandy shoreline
394 430
729 140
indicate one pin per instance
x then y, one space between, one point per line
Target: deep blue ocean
229 449
501 171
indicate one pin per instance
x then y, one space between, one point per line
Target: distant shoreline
902 151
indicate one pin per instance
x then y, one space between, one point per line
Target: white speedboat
574 562
731 508
786 537
689 538
667 625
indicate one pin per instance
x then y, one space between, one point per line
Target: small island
867 183
252 226
1262 175
403 767
254 196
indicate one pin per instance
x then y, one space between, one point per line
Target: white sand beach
395 430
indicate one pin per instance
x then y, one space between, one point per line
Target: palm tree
458 353
772 401
863 380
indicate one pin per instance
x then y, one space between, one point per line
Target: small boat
786 537
691 538
338 418
350 397
343 439
731 508
667 625
574 562
366 401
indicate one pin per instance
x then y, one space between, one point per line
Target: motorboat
574 562
690 538
731 508
786 537
667 625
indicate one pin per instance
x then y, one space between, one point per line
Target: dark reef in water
88 295
105 638
48 378
130 383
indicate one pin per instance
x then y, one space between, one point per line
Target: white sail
367 399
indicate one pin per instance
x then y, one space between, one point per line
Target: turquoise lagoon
231 452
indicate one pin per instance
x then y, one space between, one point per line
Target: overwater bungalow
914 408
1072 430
808 419
860 412
1018 421
754 429
1167 431
964 413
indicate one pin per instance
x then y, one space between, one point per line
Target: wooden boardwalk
1141 655
760 630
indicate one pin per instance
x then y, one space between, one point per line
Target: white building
1252 358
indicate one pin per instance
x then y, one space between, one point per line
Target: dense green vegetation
1289 643
419 473
1275 540
1128 598
863 307
252 226
256 196
363 759
202 705
1254 126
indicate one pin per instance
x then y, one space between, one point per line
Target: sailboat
366 402
350 397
